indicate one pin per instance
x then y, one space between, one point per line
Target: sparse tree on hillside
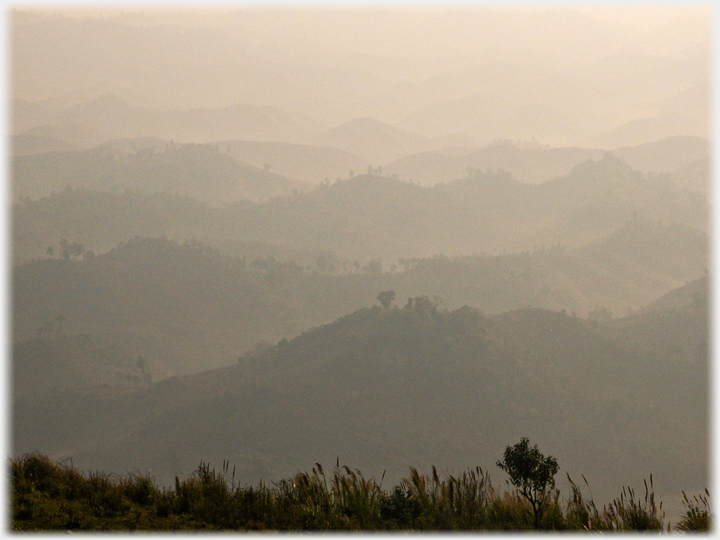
423 303
64 244
143 365
386 298
373 267
73 250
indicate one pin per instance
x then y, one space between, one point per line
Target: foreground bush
48 496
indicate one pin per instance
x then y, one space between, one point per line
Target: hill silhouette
370 217
23 145
539 164
376 140
303 162
201 171
666 155
108 117
527 165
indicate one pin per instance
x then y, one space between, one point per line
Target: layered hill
23 145
685 159
376 140
677 156
108 117
527 165
460 385
665 155
186 307
369 217
205 172
373 217
312 164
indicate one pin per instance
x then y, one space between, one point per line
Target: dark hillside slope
694 292
385 388
183 306
100 220
54 359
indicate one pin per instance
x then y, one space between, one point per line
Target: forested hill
373 217
535 164
187 307
459 383
203 171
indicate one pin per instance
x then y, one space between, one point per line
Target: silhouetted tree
531 472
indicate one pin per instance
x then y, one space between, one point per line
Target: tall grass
629 513
52 496
697 513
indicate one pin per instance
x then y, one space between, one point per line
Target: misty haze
256 243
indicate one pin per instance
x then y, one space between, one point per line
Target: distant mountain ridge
23 145
372 138
206 172
531 166
537 165
312 164
108 117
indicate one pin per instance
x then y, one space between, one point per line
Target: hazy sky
432 70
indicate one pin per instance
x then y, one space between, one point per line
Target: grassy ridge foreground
49 496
